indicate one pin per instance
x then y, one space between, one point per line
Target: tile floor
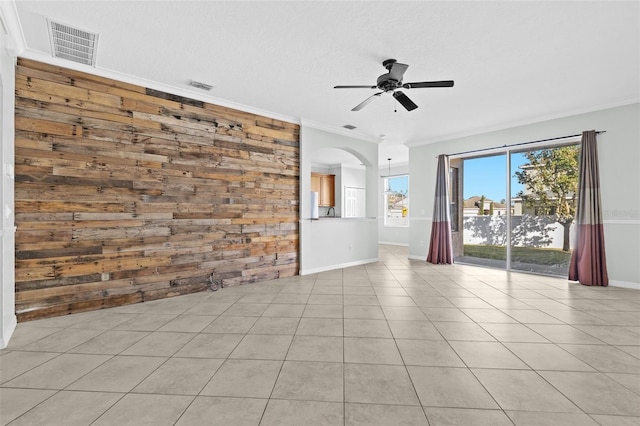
398 342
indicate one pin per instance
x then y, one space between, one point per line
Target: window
396 201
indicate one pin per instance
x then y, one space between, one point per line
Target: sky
399 184
487 176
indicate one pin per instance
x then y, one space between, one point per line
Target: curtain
440 246
588 260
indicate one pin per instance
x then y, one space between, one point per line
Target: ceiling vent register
73 44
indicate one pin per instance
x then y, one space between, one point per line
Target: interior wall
125 194
393 235
619 156
7 229
332 243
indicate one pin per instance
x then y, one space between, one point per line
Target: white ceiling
513 62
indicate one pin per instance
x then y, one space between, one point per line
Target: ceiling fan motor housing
387 84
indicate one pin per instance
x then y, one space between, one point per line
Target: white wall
393 235
7 230
328 243
619 152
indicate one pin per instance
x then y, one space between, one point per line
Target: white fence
527 231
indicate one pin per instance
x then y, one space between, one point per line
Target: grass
538 256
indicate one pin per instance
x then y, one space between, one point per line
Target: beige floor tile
320 327
275 325
403 313
246 310
25 334
371 351
146 322
284 310
449 387
110 342
257 298
69 408
259 346
383 415
466 416
358 291
612 335
414 330
366 328
15 363
563 333
291 298
595 393
575 317
387 300
159 344
310 381
62 341
378 384
513 333
463 331
145 410
488 316
531 316
59 372
531 418
231 325
358 300
616 420
325 289
547 356
629 381
296 413
363 312
325 299
487 355
244 378
428 353
119 374
180 376
523 390
445 314
217 411
188 323
208 309
210 346
316 348
15 402
470 303
323 311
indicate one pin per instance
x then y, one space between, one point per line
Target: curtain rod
521 143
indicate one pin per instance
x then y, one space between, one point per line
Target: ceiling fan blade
423 84
397 71
365 102
404 100
354 87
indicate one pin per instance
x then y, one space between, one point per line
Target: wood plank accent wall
126 194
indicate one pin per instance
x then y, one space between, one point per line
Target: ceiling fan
391 82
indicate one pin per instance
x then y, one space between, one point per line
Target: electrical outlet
105 276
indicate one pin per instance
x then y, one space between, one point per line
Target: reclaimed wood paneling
126 194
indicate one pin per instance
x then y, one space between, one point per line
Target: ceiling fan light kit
391 82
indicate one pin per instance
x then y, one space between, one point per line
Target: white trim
388 243
414 257
339 131
338 266
624 284
621 221
533 120
8 332
14 27
174 90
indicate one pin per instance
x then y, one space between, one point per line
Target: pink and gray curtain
440 246
588 261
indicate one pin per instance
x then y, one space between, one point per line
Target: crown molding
525 122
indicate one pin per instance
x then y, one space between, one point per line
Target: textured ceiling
512 62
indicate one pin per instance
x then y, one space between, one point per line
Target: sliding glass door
519 209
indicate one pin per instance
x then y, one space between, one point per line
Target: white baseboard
7 332
624 284
388 243
338 266
414 257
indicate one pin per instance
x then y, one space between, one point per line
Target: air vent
73 44
199 85
349 126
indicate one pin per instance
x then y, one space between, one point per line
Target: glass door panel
543 198
484 213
